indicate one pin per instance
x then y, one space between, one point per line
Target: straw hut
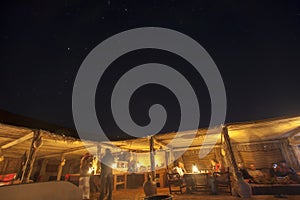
40 155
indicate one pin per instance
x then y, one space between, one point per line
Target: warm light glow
195 169
144 161
91 169
157 163
114 165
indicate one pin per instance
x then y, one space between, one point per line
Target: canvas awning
15 140
246 132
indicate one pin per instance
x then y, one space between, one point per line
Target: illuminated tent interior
260 142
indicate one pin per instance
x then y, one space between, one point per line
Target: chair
175 182
223 182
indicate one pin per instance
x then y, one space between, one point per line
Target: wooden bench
7 179
275 189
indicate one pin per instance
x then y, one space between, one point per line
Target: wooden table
121 178
200 180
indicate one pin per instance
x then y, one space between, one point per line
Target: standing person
216 178
106 175
84 180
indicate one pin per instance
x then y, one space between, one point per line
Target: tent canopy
15 141
246 132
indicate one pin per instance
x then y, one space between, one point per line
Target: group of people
106 178
277 173
213 179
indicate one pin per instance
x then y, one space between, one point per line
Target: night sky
256 46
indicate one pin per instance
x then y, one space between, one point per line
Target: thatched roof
16 140
246 132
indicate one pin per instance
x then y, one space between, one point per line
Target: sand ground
138 194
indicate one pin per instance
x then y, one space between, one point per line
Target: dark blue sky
255 44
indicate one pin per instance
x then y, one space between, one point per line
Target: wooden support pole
35 144
115 182
240 186
98 152
60 167
172 156
43 169
297 154
167 155
235 169
4 166
289 155
152 159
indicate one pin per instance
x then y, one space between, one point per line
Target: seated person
214 180
285 170
288 174
216 166
179 168
244 172
278 174
258 176
254 172
273 170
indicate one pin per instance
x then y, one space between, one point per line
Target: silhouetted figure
106 175
84 180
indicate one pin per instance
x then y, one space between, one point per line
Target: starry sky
255 44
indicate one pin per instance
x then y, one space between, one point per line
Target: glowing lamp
195 169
